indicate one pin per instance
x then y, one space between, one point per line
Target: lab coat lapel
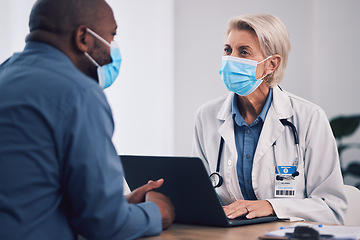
226 130
272 129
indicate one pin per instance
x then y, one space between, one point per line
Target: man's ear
273 64
82 39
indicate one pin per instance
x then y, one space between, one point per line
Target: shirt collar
44 48
239 120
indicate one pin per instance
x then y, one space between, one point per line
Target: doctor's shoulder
211 108
304 107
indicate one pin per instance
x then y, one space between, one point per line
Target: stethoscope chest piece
216 179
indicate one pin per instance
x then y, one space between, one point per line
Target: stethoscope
217 180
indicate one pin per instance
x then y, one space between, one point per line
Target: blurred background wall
172 54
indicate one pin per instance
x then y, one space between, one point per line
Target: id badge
285 188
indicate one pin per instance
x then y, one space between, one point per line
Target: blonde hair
273 38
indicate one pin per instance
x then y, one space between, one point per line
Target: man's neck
61 42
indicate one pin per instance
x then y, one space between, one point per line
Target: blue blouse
246 139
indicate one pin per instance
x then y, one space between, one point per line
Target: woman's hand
252 209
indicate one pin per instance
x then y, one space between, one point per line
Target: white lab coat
319 187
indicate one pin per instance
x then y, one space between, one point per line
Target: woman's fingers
236 209
252 209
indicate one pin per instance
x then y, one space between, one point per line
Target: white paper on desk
293 219
338 232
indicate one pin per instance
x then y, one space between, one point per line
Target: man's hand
252 209
165 206
138 195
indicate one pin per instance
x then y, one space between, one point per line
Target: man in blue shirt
60 175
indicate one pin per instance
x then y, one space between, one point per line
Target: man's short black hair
63 16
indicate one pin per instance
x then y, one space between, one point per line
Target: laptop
188 186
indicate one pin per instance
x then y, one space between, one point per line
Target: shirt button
248 156
248 131
229 162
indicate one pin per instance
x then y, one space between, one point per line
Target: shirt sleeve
92 177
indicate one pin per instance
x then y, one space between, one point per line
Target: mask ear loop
91 59
101 39
265 59
98 37
264 74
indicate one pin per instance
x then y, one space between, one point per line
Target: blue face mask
107 73
238 74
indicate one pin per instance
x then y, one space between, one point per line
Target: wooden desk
247 232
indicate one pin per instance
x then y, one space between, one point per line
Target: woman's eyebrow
245 47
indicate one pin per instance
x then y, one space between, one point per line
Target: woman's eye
227 50
243 52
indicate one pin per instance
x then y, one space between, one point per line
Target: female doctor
267 151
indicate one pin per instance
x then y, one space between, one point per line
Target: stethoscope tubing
280 176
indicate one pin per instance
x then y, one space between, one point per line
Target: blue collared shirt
60 175
246 139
